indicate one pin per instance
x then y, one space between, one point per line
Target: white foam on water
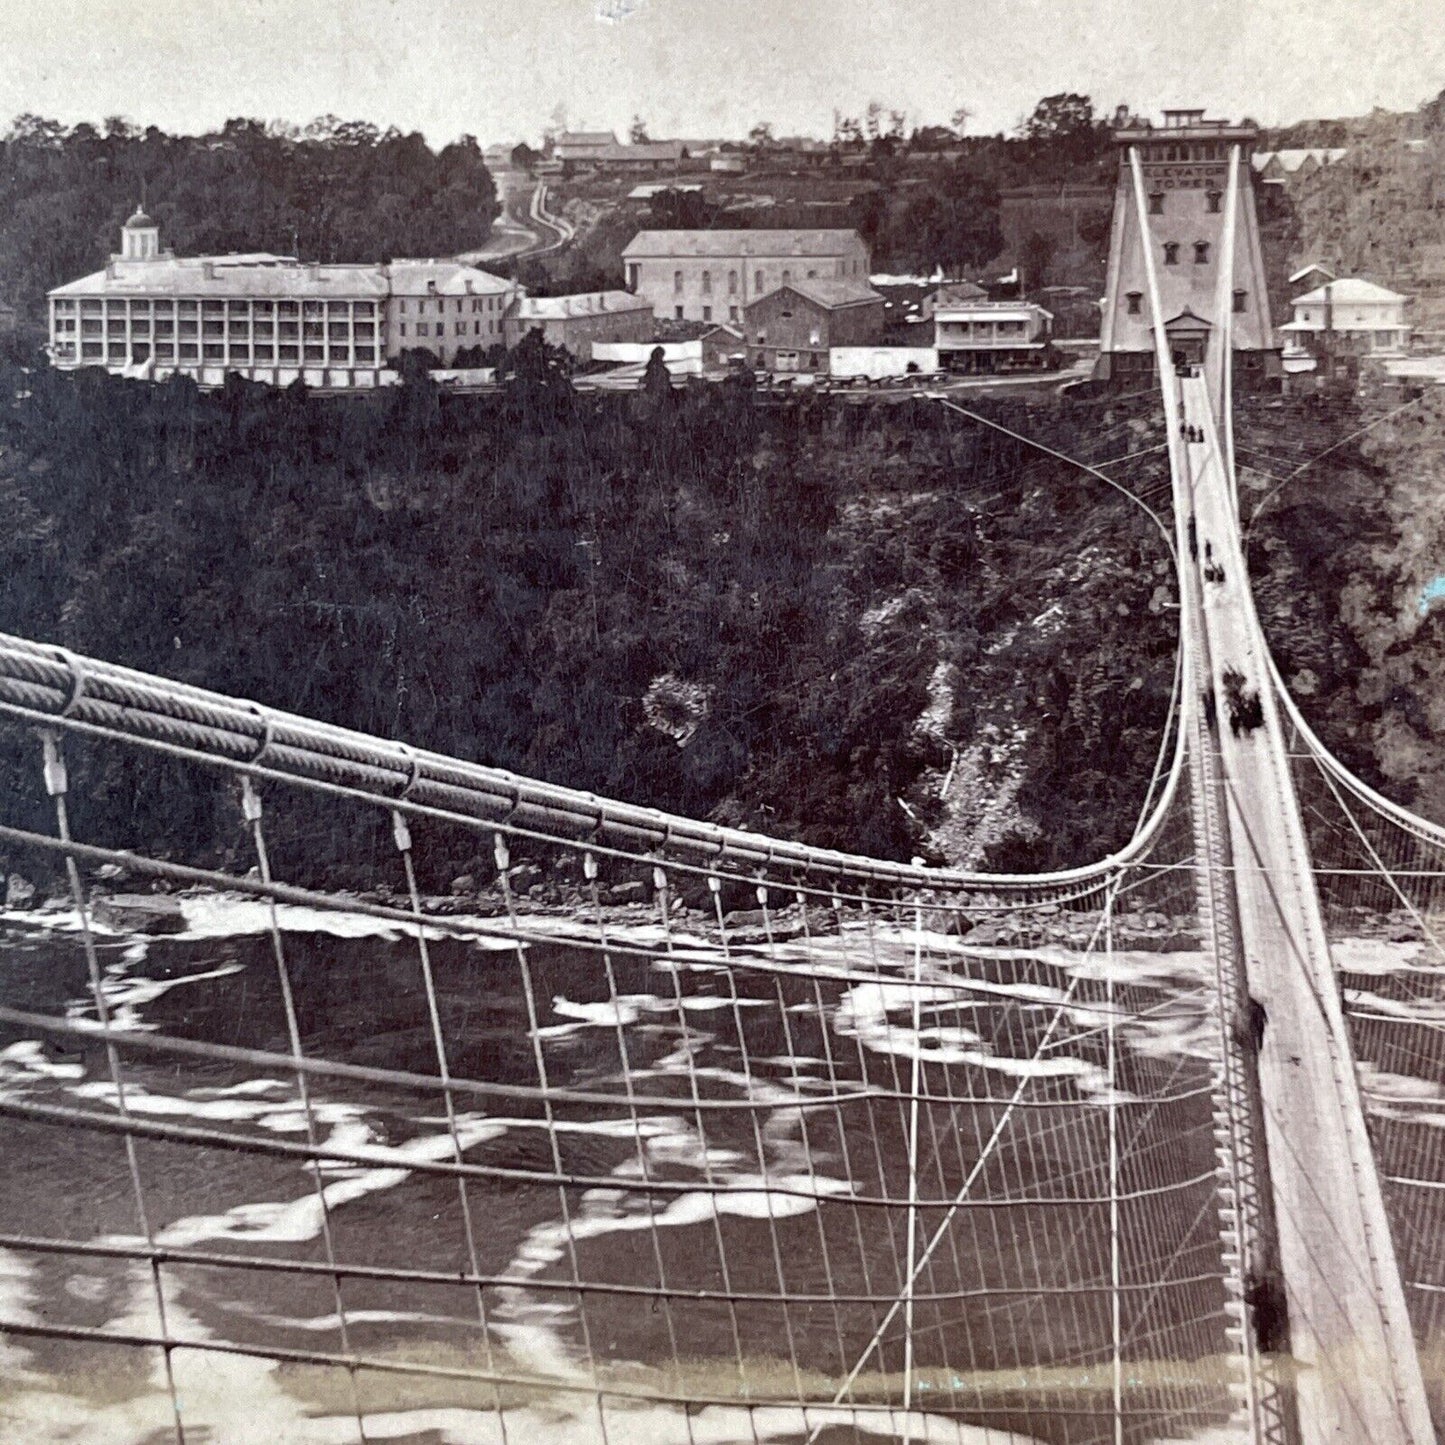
1375 955
125 997
1399 1096
1426 1011
25 1060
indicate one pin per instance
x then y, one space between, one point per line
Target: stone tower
1185 165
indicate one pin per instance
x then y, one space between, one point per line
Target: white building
1350 316
975 334
271 318
714 275
443 307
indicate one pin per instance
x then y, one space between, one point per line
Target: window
811 275
1156 203
707 283
1212 200
1241 299
732 283
677 312
1201 253
459 327
707 313
787 278
758 286
677 282
403 328
1171 253
402 307
1134 298
732 313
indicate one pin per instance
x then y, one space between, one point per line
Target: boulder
139 913
18 891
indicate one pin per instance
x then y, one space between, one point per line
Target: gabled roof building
715 275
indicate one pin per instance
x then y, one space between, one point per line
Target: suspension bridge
753 1141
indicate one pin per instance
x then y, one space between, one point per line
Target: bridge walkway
1357 1373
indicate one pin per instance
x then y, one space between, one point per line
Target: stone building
577 321
792 328
1185 168
716 275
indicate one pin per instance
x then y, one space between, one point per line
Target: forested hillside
335 191
1345 553
806 619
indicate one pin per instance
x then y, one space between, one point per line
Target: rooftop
1349 290
664 244
259 274
990 310
652 150
445 278
828 292
590 303
229 276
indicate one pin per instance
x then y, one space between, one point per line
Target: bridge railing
649 1124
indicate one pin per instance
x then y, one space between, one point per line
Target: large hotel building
269 318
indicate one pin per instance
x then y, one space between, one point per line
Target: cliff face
886 629
1347 553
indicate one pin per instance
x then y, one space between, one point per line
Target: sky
500 69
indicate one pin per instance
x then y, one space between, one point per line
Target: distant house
728 163
639 158
577 321
1308 277
1278 167
581 145
974 334
792 327
649 189
1350 317
714 275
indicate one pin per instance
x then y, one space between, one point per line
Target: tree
960 119
638 132
1060 118
760 137
1061 134
1034 258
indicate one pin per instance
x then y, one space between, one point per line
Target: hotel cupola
140 238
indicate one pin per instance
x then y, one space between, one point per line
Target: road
1358 1371
525 227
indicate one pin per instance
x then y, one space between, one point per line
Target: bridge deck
1358 1374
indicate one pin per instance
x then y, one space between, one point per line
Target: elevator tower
1185 163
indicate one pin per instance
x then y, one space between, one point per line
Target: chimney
208 270
313 270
